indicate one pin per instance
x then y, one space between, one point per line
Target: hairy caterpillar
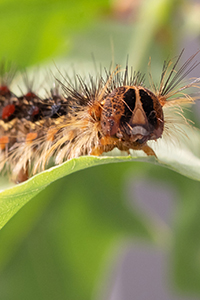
115 110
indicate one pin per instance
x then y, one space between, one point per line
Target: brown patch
4 140
94 110
30 137
51 134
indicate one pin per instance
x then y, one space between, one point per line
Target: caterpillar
89 117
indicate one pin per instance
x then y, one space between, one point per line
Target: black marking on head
129 105
129 99
147 104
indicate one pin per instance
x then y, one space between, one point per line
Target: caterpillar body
87 118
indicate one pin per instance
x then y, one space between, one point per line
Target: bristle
170 86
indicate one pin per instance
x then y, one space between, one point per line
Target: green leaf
11 200
176 156
69 245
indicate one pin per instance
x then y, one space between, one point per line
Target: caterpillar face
132 114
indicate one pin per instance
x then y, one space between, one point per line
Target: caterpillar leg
107 144
22 176
148 150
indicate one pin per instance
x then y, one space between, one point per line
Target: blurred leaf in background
64 243
32 30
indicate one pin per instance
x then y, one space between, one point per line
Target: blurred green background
67 242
